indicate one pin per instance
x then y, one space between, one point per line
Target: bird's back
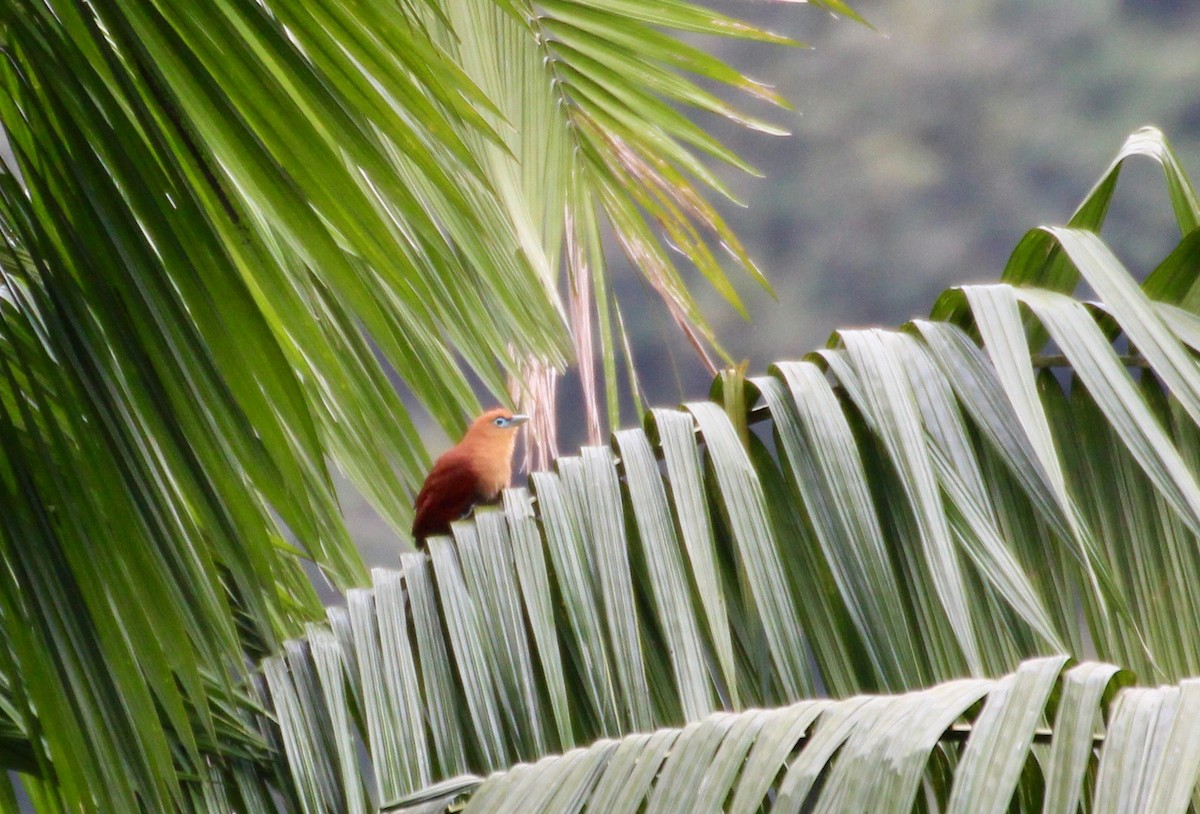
449 492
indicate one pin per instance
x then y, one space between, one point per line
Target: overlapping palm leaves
610 143
904 508
214 205
784 758
219 201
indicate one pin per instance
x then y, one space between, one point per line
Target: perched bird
471 473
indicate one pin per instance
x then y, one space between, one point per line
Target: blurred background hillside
924 150
920 154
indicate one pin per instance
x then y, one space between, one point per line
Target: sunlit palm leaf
880 754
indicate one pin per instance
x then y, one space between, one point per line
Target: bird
472 472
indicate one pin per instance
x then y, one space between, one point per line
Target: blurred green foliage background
921 152
924 150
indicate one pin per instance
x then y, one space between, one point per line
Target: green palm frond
220 218
906 508
222 211
600 92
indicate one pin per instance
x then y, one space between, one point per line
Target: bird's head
497 424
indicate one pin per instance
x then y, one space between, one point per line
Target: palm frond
218 217
150 476
598 93
302 183
882 753
900 509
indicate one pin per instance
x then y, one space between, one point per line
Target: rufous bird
471 473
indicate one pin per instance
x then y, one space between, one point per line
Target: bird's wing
449 492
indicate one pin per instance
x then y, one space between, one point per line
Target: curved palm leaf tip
938 504
598 92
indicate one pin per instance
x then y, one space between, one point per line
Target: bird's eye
500 422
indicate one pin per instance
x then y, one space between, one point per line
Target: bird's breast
493 478
492 464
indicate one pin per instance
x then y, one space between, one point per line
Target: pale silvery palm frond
937 505
969 745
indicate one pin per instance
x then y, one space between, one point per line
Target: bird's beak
517 420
